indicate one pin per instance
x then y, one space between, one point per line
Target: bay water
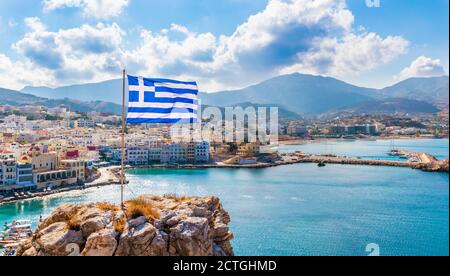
303 209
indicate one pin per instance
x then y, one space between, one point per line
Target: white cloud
50 5
179 28
72 55
16 75
349 55
100 9
288 24
35 24
423 67
288 36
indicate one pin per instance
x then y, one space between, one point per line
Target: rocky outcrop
101 243
174 226
434 166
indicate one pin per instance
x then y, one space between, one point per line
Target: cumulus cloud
100 9
50 5
35 24
158 52
423 67
40 46
73 54
15 75
288 36
348 55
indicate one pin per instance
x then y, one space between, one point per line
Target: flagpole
122 174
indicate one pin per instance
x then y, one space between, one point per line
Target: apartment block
137 157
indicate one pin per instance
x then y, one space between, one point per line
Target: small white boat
16 231
17 223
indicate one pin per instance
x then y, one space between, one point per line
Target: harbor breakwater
432 165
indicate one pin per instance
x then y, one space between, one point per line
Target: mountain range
15 98
388 106
296 94
306 94
431 90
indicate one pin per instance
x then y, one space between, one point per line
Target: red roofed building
73 154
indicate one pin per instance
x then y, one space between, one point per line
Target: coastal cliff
148 226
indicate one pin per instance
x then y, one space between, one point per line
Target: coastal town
224 128
47 150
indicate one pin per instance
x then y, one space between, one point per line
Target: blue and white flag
161 101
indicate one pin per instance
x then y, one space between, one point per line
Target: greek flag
161 101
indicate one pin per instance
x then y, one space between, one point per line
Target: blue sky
223 44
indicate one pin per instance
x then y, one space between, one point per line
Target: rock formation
434 166
149 226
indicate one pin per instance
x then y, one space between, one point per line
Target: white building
198 152
93 155
8 172
154 151
15 120
57 110
85 123
32 125
135 142
174 153
137 156
85 139
202 152
25 175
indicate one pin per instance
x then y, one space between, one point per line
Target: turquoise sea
303 209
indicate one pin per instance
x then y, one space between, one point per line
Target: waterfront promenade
107 176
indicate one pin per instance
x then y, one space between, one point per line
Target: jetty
415 160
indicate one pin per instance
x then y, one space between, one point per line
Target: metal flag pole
122 171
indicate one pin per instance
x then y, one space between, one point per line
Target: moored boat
18 224
15 232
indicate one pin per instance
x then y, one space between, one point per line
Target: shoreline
107 178
304 160
308 160
43 195
111 175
